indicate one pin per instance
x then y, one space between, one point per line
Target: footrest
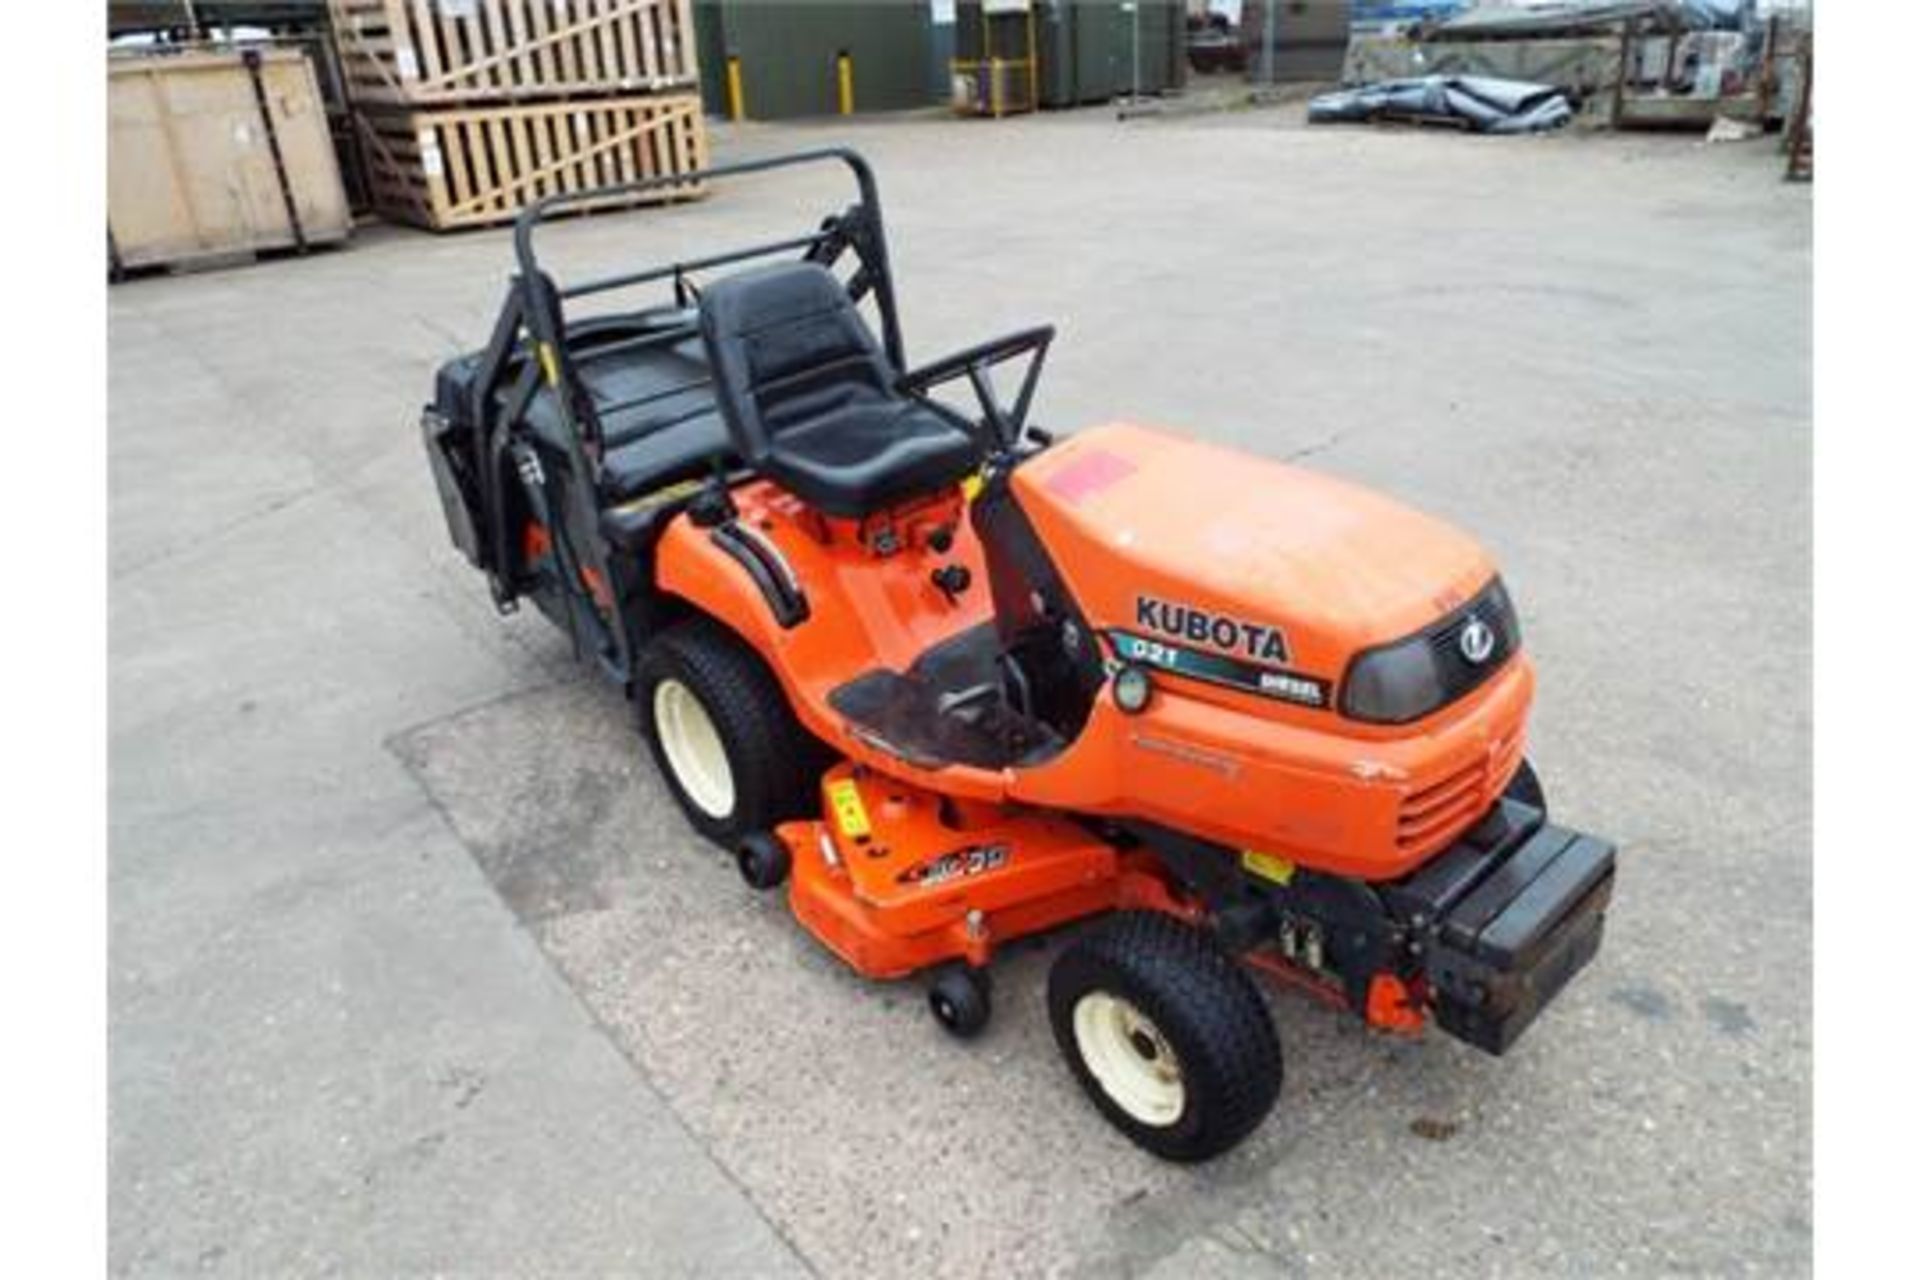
947 708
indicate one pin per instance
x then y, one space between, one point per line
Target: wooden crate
475 165
191 166
417 53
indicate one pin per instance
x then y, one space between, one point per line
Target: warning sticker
1267 866
849 813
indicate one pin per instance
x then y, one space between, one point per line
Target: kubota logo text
1185 622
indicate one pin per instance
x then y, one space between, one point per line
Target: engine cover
1233 569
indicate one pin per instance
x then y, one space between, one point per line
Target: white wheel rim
1130 1058
693 748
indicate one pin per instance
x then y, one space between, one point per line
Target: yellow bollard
846 83
736 95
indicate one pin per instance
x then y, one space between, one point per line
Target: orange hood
1166 536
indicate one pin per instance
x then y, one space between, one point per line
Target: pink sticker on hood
1088 475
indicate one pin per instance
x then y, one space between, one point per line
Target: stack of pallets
469 109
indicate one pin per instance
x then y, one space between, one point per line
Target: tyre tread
1213 1005
779 778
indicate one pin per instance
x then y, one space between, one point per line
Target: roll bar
869 233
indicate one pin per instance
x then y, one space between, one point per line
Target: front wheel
1166 1034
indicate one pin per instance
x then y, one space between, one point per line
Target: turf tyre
771 765
1199 1003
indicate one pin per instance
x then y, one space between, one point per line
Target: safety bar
874 253
974 362
693 264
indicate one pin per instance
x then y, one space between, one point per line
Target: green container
789 55
1087 46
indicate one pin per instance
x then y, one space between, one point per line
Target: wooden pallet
418 53
476 165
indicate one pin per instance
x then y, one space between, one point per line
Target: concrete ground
414 968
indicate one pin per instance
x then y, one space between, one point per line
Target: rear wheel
1166 1034
718 723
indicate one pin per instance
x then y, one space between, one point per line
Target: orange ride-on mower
953 682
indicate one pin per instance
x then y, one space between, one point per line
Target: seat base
864 456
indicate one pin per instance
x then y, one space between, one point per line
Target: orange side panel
865 610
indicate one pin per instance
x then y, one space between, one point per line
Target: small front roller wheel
763 859
1168 1036
962 1000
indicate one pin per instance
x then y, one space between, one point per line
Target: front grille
1438 812
1434 813
1460 675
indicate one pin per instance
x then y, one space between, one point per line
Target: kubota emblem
1476 641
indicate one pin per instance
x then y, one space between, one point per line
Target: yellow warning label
550 365
849 814
970 487
1267 867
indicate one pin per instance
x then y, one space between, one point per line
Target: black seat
809 396
655 434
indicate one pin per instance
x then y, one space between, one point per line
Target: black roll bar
874 251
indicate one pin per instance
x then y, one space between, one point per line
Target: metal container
787 57
1090 51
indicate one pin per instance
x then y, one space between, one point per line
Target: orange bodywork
1124 511
894 878
1337 569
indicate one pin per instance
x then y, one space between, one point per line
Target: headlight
1132 686
1412 678
1393 685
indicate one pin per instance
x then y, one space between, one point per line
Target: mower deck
896 878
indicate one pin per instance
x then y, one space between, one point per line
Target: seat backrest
786 344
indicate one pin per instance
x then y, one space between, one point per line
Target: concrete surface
415 968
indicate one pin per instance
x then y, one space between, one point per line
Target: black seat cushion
655 435
867 455
808 395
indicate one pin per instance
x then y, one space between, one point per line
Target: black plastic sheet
1581 17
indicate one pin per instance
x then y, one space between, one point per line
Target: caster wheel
763 859
962 1000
